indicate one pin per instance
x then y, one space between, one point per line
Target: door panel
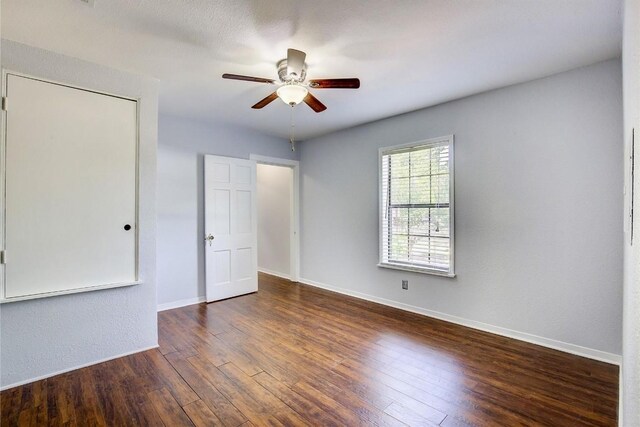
222 212
230 219
244 211
70 185
243 175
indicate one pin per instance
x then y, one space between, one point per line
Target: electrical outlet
405 284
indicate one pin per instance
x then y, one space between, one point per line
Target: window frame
382 151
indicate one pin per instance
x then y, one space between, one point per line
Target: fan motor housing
286 78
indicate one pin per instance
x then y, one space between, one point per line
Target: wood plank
89 407
208 391
409 417
201 415
61 410
172 380
316 409
266 401
169 410
367 414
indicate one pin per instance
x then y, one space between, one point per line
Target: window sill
417 270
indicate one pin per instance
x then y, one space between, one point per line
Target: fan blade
313 102
335 83
247 78
266 101
295 61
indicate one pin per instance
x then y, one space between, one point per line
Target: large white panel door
230 227
70 189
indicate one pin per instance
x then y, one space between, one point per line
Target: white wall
630 399
48 335
275 185
538 175
182 145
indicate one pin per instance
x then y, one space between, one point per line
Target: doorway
278 216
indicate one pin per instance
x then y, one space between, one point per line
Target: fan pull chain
292 136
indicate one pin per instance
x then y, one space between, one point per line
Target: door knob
209 238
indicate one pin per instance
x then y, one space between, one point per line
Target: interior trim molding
294 238
180 303
84 365
620 397
590 353
274 273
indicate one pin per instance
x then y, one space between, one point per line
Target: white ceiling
408 54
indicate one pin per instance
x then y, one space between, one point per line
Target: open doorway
278 217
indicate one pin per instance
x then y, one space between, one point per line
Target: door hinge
3 257
4 103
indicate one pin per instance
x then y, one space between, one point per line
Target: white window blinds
416 224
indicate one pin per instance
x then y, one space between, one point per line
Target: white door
231 255
70 186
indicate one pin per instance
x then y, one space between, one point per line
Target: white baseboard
84 365
180 303
274 273
522 336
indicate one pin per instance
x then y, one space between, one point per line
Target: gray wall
275 186
538 195
630 376
48 335
182 145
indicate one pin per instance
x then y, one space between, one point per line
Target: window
416 214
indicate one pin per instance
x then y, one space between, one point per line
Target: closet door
71 189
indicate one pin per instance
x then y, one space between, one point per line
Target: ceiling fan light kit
292 72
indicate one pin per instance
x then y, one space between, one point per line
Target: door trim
294 232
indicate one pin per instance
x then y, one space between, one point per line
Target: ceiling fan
293 90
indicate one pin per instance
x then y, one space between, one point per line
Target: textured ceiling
407 54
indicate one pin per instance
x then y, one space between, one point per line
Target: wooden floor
296 355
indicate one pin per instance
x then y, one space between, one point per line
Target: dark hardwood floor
296 355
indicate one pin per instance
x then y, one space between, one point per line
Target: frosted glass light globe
292 94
